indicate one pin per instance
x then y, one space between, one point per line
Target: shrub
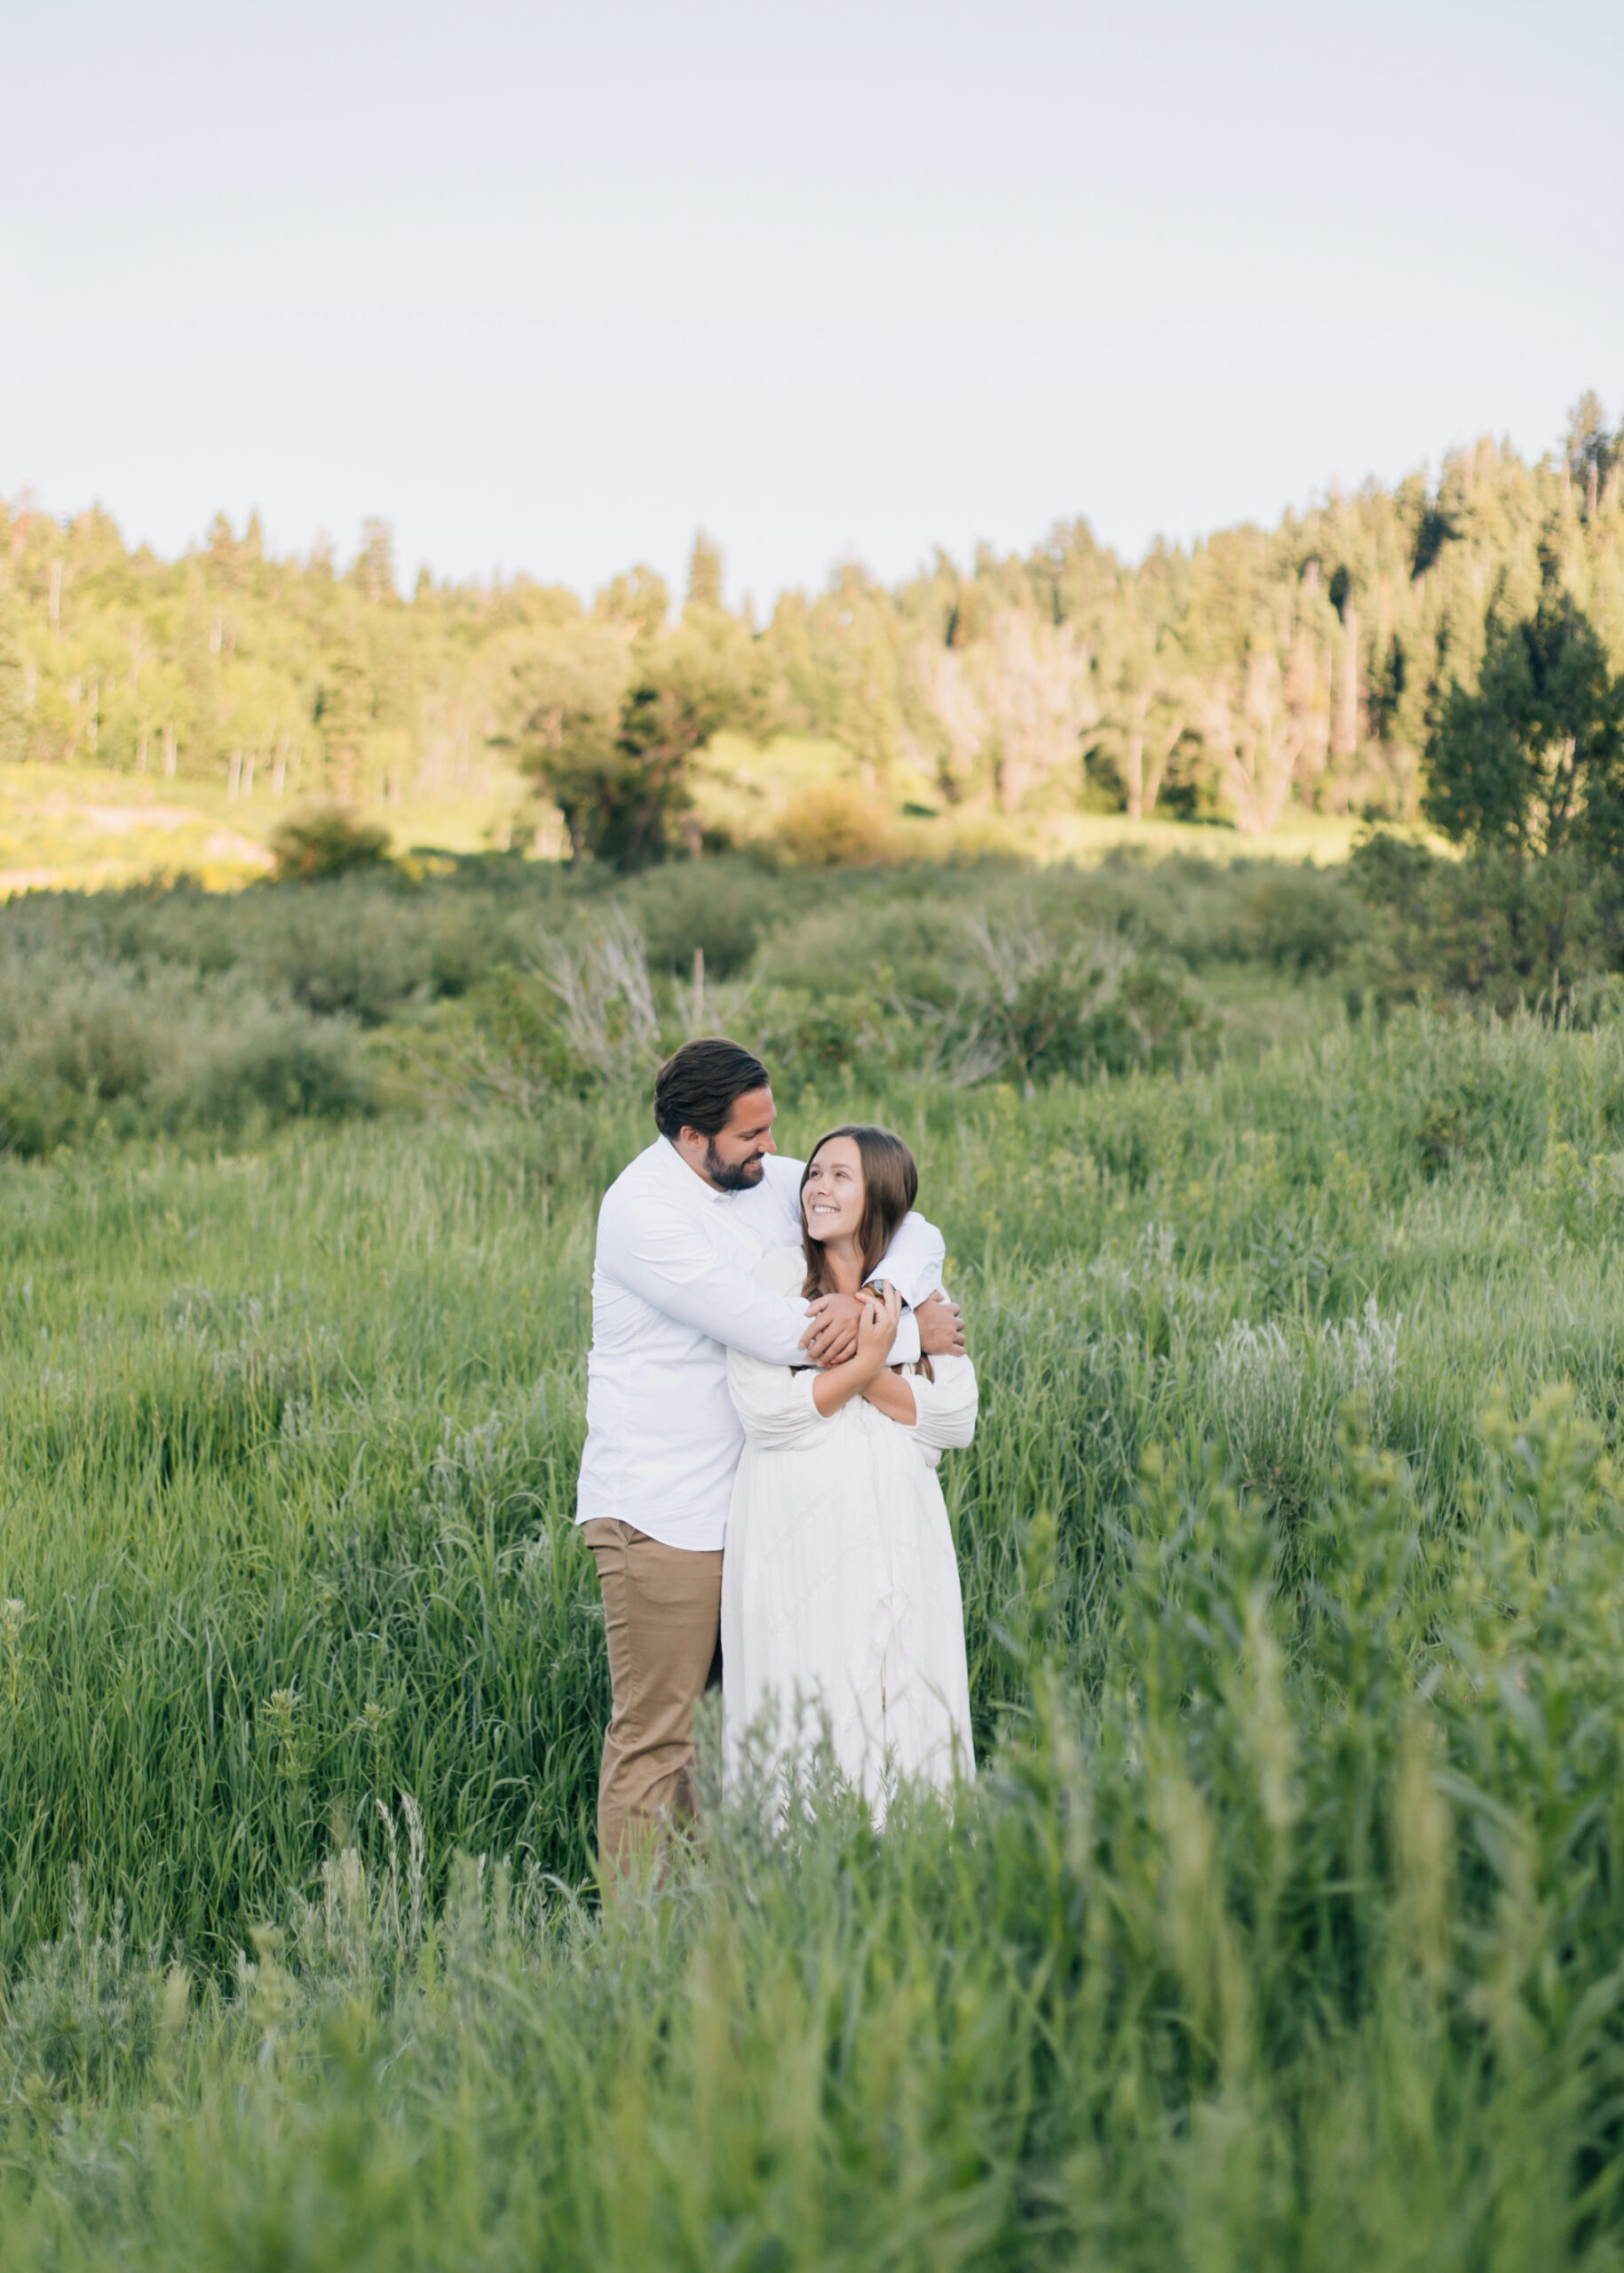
84 1045
1496 927
806 1042
326 840
358 947
888 938
721 907
834 828
1300 920
1039 1006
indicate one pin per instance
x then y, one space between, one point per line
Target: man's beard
732 1176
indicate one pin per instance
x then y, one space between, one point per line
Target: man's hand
941 1327
831 1336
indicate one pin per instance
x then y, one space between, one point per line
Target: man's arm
670 1262
914 1261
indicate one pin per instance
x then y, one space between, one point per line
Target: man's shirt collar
696 1185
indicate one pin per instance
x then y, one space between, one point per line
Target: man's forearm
715 1298
915 1260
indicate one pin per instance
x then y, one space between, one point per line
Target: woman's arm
892 1394
774 1405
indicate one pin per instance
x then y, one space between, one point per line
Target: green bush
363 951
1038 1007
454 961
720 907
821 1041
94 1047
1298 919
326 840
1496 927
898 941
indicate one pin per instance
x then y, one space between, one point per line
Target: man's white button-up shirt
672 1291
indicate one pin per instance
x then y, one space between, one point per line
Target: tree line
1331 663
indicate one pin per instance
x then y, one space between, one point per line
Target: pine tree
344 712
704 573
1592 448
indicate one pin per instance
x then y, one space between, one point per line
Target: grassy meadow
89 827
1283 1926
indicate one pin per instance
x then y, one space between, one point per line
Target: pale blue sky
548 288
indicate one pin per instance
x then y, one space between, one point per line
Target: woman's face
832 1196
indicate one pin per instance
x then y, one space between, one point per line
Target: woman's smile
833 1194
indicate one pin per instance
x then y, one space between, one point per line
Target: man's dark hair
696 1088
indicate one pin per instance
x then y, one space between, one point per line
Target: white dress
840 1587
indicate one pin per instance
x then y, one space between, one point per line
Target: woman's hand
877 1328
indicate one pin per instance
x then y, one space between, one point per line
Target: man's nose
767 1145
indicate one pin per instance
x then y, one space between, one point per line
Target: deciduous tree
1531 757
13 704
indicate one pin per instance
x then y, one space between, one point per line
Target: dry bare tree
1013 705
1254 738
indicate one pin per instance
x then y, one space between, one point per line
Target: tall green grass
1281 1930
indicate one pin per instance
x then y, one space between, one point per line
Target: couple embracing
774 1373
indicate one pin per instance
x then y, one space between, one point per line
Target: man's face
734 1154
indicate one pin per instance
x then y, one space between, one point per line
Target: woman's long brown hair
891 1185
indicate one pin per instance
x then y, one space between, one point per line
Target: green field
88 828
1283 1928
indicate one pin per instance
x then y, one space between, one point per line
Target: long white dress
841 1605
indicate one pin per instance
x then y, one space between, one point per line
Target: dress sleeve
775 1403
945 1406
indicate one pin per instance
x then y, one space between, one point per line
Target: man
679 1237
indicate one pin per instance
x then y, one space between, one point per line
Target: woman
840 1588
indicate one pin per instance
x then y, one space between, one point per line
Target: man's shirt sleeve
915 1258
667 1261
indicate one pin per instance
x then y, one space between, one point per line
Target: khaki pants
663 1608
